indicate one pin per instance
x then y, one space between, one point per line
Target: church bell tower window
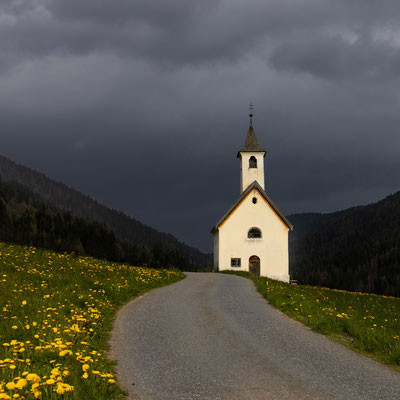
253 162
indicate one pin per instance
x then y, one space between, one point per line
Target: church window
254 200
254 233
253 162
235 262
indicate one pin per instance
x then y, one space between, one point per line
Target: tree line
358 251
26 220
78 204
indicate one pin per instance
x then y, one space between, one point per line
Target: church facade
254 234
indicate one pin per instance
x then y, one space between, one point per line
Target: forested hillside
25 219
308 222
356 249
126 229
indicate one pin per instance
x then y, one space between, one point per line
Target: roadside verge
364 322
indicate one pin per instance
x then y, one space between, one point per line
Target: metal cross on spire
251 108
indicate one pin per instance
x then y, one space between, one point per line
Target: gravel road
212 336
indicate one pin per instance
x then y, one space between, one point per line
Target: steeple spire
251 143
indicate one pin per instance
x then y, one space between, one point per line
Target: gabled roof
251 143
254 185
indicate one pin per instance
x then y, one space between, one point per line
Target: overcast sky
143 104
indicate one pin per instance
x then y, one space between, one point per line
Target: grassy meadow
56 313
367 323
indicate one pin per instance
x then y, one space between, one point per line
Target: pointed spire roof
251 143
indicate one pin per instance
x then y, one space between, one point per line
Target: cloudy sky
142 104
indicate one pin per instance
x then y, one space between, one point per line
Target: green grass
367 323
56 314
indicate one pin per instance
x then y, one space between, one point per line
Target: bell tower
251 159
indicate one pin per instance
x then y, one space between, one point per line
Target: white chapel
253 235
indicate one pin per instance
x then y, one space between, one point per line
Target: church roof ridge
251 143
254 185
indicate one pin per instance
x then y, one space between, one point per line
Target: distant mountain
125 228
305 223
355 249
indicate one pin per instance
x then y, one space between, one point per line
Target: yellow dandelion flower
21 383
60 388
33 378
10 386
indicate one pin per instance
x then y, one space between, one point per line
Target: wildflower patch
56 312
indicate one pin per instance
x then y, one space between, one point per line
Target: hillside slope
56 314
78 204
356 249
305 223
25 219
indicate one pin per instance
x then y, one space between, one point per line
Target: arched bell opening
253 162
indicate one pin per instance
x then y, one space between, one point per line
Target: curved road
212 336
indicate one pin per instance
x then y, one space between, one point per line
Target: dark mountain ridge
355 249
25 219
66 198
305 223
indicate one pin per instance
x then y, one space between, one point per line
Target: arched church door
254 265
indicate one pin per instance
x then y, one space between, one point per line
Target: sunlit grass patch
365 322
56 312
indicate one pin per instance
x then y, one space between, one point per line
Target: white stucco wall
249 175
272 249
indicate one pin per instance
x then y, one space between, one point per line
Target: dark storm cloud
335 57
142 104
330 39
